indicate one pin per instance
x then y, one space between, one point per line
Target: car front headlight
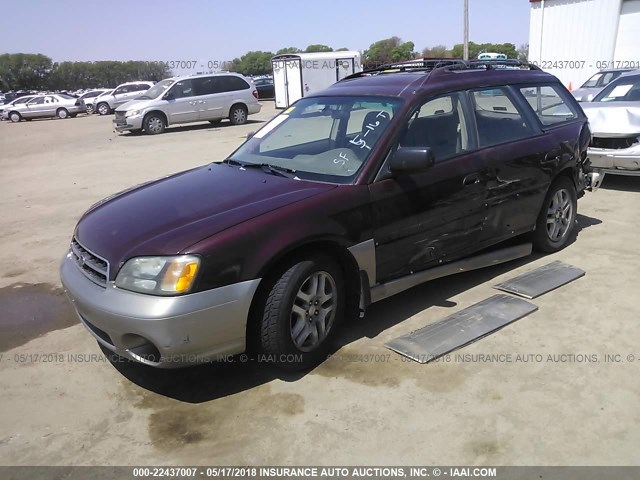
131 113
159 275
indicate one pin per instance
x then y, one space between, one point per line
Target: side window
206 85
548 104
440 124
37 101
120 90
232 84
182 89
142 87
497 118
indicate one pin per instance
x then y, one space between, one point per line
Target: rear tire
62 113
103 108
154 124
238 115
15 117
301 313
556 222
89 109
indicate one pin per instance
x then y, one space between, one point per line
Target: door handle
471 179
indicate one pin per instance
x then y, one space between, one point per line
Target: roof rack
446 64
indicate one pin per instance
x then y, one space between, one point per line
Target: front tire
301 313
103 108
15 117
557 219
238 115
154 124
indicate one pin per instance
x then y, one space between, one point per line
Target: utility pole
466 30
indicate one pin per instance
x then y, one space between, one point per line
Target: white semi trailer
297 75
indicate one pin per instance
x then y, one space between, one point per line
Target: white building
573 39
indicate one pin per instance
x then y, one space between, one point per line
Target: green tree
437 51
387 51
253 63
24 71
316 47
284 51
343 49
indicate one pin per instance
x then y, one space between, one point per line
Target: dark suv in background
386 179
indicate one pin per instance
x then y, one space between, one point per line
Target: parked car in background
353 194
41 106
122 94
90 96
97 99
187 99
614 116
265 87
596 83
4 109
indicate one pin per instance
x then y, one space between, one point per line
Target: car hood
582 94
135 104
166 216
613 119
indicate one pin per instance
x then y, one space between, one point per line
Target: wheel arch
277 265
238 103
160 112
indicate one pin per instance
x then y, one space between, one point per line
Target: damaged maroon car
387 179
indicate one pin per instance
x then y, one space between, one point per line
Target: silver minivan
195 98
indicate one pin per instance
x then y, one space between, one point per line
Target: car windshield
624 89
593 81
323 139
158 89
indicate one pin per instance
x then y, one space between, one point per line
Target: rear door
182 107
521 159
435 216
280 83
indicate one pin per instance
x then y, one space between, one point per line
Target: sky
212 30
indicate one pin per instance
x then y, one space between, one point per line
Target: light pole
465 55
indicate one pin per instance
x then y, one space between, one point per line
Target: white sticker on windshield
271 125
620 91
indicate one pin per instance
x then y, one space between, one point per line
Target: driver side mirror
407 160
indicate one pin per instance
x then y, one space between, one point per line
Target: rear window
232 84
549 105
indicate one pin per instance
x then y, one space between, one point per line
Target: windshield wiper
265 167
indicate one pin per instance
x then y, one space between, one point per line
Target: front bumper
166 332
619 162
123 124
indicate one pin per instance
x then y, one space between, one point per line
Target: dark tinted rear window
231 84
207 85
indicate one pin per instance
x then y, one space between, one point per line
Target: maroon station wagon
387 179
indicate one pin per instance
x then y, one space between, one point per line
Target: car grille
120 117
614 143
94 268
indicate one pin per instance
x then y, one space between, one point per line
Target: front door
183 107
428 218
